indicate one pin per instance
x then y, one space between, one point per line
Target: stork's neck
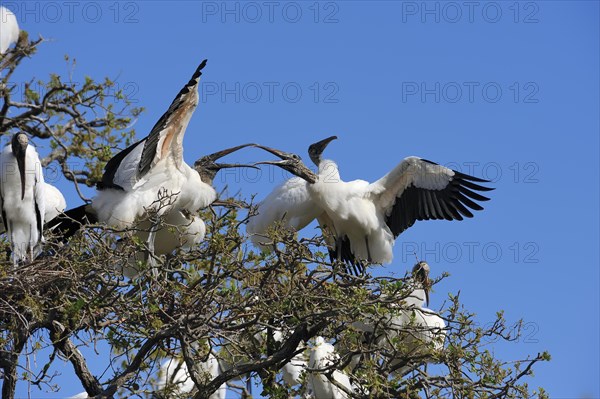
207 178
328 171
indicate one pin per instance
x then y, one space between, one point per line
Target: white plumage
289 203
174 372
354 214
417 331
179 230
412 327
55 204
80 395
322 356
22 198
9 29
292 370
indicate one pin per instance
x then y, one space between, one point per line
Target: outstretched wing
127 167
171 126
418 189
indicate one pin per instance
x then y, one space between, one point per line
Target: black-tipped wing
418 189
353 265
124 169
172 124
341 252
68 223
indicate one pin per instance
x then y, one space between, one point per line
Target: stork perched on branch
411 333
25 199
365 218
150 178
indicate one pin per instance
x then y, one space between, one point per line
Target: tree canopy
253 311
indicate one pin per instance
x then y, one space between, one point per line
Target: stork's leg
13 247
31 243
338 245
369 259
150 244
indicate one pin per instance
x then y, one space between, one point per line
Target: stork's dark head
421 275
290 162
207 167
316 150
19 144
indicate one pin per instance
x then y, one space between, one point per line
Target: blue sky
502 90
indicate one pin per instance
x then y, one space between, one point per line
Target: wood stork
366 218
322 358
148 173
151 176
9 29
174 376
413 329
22 198
417 329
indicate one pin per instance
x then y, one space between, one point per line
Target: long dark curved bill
234 165
21 163
19 150
319 146
220 154
278 153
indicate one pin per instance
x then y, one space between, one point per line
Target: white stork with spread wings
151 175
366 218
146 174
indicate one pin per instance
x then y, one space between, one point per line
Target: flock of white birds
150 183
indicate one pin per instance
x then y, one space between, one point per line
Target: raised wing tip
202 65
197 73
194 80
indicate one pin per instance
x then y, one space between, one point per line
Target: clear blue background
534 250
